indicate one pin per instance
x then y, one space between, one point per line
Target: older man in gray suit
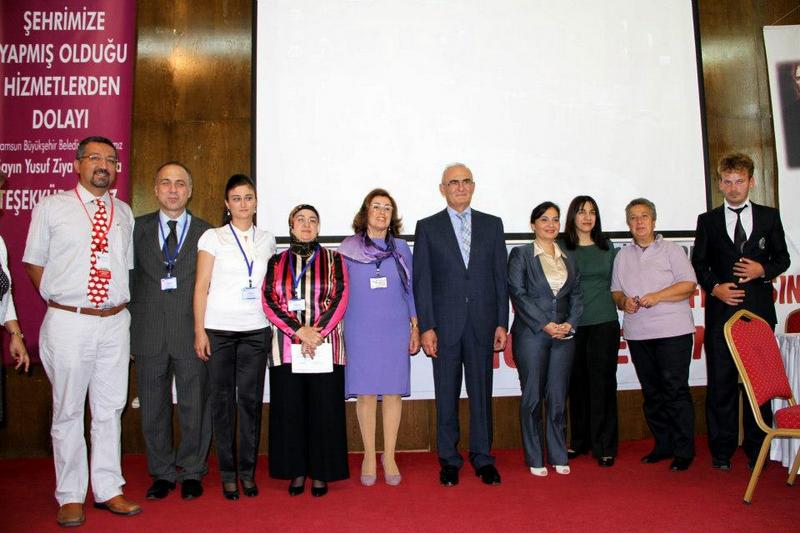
162 337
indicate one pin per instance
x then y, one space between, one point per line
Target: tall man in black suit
739 249
461 293
162 337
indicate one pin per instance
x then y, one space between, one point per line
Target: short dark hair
185 169
360 220
735 162
570 230
539 210
234 181
81 151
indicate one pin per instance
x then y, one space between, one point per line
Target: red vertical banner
66 73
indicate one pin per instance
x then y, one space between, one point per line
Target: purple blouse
639 271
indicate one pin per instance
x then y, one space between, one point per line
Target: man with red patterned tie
78 254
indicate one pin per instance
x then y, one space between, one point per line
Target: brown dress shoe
70 515
121 505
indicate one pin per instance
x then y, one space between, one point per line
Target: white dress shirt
746 216
59 239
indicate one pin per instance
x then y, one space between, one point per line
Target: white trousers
80 354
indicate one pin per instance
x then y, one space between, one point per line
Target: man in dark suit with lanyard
461 293
162 337
739 249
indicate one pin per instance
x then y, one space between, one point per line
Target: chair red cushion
788 417
759 352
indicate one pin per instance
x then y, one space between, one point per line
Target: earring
228 213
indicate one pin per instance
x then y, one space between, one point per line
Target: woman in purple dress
380 327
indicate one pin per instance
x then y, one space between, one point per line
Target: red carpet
628 497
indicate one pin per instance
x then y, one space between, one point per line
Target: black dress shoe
297 486
250 488
572 454
230 491
448 476
605 461
191 488
160 489
319 488
679 464
488 474
751 463
721 464
654 457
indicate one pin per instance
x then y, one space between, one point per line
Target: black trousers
307 427
722 402
662 366
236 371
593 390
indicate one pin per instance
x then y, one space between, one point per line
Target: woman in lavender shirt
652 283
380 327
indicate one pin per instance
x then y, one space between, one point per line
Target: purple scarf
361 249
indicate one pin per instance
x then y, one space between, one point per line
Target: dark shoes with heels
319 488
230 491
250 488
298 486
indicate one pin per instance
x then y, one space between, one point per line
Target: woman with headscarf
305 298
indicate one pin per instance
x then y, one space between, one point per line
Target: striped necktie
466 236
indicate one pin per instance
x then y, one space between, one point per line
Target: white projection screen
543 100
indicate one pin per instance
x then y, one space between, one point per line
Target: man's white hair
453 165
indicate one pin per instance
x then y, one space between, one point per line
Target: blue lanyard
247 262
302 272
170 261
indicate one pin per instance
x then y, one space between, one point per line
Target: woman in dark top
593 387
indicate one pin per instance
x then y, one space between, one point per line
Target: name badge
378 283
296 304
250 293
169 284
102 261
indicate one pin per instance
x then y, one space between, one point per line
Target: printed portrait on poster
789 86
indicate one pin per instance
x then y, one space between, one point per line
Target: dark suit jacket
534 303
714 255
447 294
162 320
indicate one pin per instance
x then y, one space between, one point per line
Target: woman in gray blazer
543 283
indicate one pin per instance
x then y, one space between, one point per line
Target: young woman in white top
231 332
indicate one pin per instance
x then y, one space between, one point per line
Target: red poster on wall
66 73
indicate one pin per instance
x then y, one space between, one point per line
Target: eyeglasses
300 219
466 182
381 207
96 159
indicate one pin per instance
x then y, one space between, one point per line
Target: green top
595 266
